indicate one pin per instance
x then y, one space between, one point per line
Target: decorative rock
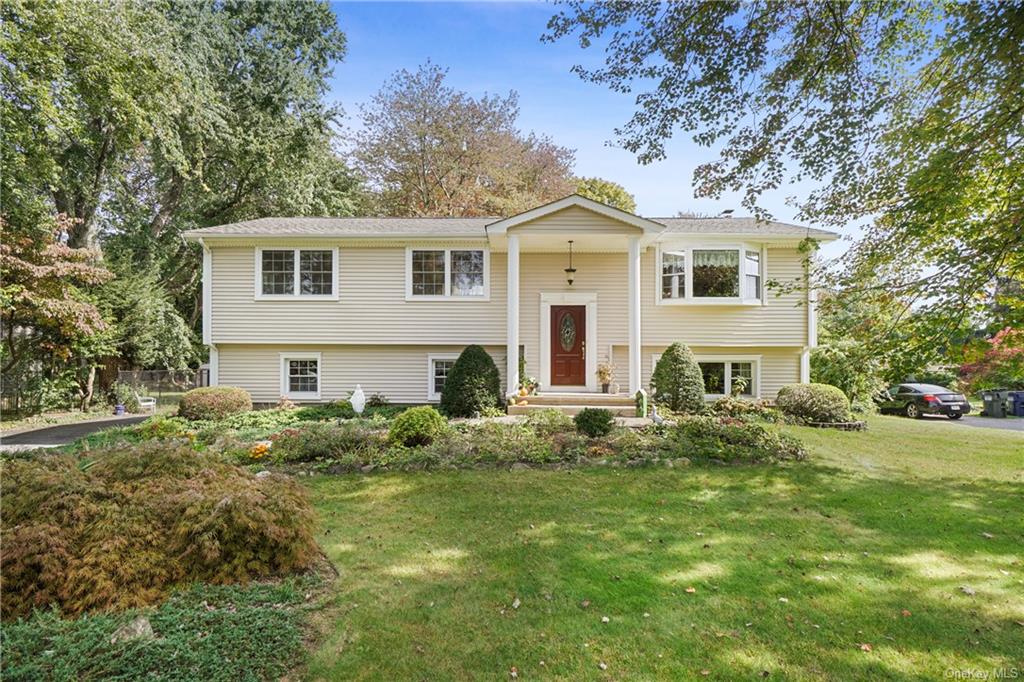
262 474
140 628
519 466
368 468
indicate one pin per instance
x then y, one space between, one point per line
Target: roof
371 228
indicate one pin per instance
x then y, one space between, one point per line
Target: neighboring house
309 307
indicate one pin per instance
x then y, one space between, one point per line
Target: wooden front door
568 345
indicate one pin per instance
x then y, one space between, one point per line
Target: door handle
583 350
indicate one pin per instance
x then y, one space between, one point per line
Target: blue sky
496 47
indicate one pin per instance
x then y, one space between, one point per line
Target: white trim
688 247
512 377
728 359
764 274
589 299
207 294
431 358
214 365
295 295
645 224
448 296
303 395
805 366
634 315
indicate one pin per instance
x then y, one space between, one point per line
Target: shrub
327 441
417 426
745 409
548 422
377 400
813 403
472 385
497 443
677 381
730 440
849 366
340 409
214 402
594 422
121 528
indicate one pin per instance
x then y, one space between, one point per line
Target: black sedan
917 400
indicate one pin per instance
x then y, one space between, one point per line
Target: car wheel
911 411
954 416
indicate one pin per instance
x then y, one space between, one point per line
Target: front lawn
896 553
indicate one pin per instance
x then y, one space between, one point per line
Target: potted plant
605 374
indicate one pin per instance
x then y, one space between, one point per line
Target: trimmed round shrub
677 382
122 528
473 384
813 403
417 426
594 422
214 402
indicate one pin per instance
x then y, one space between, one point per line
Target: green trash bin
994 402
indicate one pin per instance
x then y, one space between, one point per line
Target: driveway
1007 424
65 433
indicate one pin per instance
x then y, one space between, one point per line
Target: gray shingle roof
473 227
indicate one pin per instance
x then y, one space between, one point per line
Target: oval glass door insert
567 331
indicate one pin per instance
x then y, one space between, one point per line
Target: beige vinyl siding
782 321
399 372
779 366
575 219
371 306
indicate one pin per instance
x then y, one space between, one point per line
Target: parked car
917 400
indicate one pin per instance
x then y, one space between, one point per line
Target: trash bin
994 403
1016 406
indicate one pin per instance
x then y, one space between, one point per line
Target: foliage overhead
428 149
908 116
606 192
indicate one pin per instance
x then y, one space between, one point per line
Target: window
438 367
673 274
725 374
296 272
300 375
446 273
752 265
716 273
727 275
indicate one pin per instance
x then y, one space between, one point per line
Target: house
309 307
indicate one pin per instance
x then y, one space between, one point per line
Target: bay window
719 274
288 273
446 274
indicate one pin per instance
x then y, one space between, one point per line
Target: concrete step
592 399
616 410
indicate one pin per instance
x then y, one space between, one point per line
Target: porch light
570 272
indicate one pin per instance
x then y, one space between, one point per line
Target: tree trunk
86 388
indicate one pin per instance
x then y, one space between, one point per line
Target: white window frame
755 371
260 296
431 359
448 295
302 395
688 298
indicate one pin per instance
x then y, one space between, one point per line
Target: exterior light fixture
570 272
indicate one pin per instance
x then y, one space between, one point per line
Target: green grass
868 543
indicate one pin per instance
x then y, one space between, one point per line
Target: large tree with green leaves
908 116
428 149
607 192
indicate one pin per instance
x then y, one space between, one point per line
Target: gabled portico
567 313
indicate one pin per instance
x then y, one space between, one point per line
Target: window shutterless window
752 270
725 375
300 375
447 273
282 273
673 274
726 274
438 367
716 273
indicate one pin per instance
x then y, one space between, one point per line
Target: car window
906 389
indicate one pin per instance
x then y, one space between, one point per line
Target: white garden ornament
358 399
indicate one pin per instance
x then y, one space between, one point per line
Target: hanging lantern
570 272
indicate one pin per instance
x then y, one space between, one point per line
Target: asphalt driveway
65 433
1007 424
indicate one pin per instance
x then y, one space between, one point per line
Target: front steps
620 405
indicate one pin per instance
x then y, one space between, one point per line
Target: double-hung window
438 367
447 274
713 274
290 273
300 375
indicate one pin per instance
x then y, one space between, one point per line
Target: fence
164 384
19 396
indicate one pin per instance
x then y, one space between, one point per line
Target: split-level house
308 308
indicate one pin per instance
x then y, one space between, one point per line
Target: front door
568 345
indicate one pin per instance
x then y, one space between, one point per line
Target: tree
908 116
427 149
607 192
677 381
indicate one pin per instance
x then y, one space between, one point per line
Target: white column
512 324
634 315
